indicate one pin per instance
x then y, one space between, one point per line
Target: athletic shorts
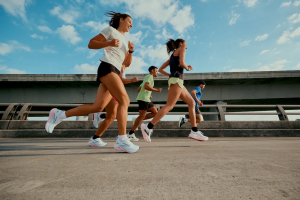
197 110
143 105
104 69
174 80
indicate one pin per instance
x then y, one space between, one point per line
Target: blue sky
51 37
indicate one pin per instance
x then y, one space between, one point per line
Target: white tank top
114 55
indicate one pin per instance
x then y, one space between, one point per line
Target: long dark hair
172 45
115 18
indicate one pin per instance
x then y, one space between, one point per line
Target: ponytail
115 18
172 45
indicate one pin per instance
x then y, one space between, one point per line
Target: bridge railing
21 111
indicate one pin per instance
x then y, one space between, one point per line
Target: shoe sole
134 140
144 134
51 114
122 149
92 144
197 139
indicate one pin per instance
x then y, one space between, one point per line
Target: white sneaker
132 137
97 142
146 132
197 136
97 119
126 146
53 119
133 121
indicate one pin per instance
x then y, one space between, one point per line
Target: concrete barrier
21 129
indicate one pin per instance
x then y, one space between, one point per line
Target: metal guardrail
20 111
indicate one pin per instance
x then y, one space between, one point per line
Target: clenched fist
135 79
190 68
115 43
130 46
159 89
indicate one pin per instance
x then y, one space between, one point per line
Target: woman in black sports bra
176 89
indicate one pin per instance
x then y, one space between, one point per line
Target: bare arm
124 80
99 42
128 56
195 96
161 69
139 89
149 88
182 59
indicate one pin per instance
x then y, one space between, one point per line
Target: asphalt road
167 168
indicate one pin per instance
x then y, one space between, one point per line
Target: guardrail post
7 113
221 113
22 114
281 113
91 117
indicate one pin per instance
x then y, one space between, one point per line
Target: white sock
185 120
62 115
122 137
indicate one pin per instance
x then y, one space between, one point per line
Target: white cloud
264 51
183 19
136 66
159 12
245 43
8 48
92 53
96 26
298 66
278 26
275 66
295 18
135 38
85 69
45 29
164 35
69 34
284 37
286 4
68 16
5 70
157 54
250 3
287 36
234 18
15 7
277 52
37 36
262 37
203 0
296 3
5 48
47 50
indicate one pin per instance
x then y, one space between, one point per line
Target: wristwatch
130 51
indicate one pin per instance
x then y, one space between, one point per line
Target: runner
176 89
196 94
108 117
116 53
144 101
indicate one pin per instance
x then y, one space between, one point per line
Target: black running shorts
197 110
104 69
143 105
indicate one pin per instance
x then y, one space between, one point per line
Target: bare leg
139 119
102 99
198 119
187 98
116 88
173 96
111 113
153 111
